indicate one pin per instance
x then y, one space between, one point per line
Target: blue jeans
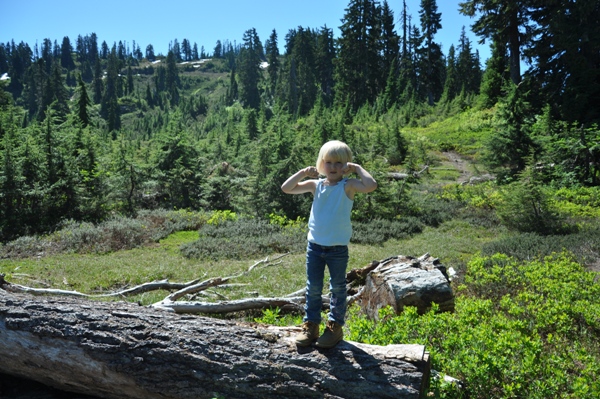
336 259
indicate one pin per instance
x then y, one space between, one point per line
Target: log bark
407 281
122 350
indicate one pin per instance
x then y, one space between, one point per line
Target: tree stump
122 350
407 281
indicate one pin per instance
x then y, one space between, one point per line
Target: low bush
584 245
238 239
379 231
119 233
520 330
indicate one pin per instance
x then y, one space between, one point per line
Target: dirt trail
457 162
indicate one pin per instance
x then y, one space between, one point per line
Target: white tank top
329 223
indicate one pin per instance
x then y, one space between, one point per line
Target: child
329 232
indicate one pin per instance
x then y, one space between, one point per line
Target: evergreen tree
110 106
105 51
9 186
509 148
150 53
303 58
272 53
66 56
121 52
47 54
324 59
389 37
218 50
249 70
566 58
130 85
431 54
232 90
186 50
451 88
495 77
57 93
467 66
505 21
149 98
83 102
93 52
172 78
356 72
98 85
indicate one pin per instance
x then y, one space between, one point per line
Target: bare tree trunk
122 350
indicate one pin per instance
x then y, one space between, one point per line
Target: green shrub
379 231
119 233
430 208
519 330
584 245
242 238
526 207
165 222
24 247
113 235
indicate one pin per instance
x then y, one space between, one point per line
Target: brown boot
309 334
332 335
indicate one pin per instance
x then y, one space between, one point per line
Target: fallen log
122 350
406 281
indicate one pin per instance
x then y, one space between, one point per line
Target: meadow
527 319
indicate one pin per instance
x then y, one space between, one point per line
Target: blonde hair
334 150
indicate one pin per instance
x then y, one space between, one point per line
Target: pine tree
150 53
431 54
505 21
302 54
66 57
451 83
389 38
509 148
232 90
130 85
358 77
58 93
249 70
83 102
172 78
467 65
566 55
110 106
98 85
272 52
324 59
496 75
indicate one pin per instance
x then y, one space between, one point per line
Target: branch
228 306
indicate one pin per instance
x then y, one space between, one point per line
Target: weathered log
122 350
407 281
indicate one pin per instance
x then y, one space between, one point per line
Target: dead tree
123 350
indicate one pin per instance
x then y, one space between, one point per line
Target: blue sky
201 21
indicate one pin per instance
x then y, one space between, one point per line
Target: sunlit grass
454 242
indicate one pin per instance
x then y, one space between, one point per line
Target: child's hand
349 168
311 171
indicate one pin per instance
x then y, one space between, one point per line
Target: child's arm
294 185
364 184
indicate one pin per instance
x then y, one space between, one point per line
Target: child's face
333 169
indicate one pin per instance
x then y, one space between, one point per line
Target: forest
91 130
104 138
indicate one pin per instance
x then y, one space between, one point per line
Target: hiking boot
332 335
309 334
